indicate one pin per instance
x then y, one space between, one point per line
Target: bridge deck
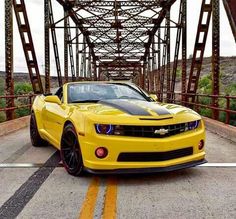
27 192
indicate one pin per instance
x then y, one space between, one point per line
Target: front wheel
70 151
36 139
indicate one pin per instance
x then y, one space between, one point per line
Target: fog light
101 152
201 145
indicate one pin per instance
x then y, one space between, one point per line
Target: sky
36 17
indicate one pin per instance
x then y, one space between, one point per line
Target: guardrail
23 101
228 102
228 109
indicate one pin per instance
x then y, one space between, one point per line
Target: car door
53 117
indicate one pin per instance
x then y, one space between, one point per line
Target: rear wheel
70 151
36 140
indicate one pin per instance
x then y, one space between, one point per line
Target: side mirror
154 97
52 99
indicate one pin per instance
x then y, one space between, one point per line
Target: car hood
133 108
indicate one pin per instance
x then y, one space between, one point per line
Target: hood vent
155 119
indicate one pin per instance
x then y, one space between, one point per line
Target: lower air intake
154 156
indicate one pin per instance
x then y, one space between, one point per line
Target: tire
71 155
36 140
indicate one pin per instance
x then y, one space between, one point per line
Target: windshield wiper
85 101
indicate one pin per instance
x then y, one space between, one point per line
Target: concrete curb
220 128
14 125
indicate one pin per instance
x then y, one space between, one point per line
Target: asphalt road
34 185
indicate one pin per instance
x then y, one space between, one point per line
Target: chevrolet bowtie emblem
161 131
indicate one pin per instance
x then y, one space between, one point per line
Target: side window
59 93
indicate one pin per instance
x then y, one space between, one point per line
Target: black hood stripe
155 107
127 107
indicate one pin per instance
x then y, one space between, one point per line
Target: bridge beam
231 13
47 45
215 55
184 49
9 83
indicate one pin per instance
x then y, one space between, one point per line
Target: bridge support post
47 45
159 64
77 53
168 55
65 47
9 83
215 56
184 49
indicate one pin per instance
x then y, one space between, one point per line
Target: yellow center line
109 211
87 210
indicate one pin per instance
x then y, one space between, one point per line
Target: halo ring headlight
104 129
193 125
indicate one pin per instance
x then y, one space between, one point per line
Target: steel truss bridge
120 40
117 40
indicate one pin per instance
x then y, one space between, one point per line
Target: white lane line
24 165
19 165
218 165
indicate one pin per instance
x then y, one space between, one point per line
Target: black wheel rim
70 151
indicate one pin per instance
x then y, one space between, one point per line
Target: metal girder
117 29
231 13
9 82
55 45
71 54
47 45
83 60
184 48
215 55
199 48
177 47
28 46
168 70
77 53
158 21
66 64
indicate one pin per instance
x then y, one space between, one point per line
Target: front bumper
117 145
147 170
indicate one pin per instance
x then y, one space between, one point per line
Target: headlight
104 129
108 129
192 125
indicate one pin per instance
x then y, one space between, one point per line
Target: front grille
154 156
149 131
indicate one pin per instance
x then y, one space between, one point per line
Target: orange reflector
201 145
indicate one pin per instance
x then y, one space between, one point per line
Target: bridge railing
21 102
225 111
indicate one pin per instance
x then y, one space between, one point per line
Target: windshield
96 92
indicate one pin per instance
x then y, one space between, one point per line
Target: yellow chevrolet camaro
115 127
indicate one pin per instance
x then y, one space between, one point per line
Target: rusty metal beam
215 55
55 45
166 7
168 55
71 53
184 48
230 8
9 82
77 53
47 45
199 48
159 64
66 64
28 45
177 48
